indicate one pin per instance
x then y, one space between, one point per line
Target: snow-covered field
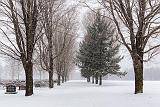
82 94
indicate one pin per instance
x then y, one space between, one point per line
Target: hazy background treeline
151 74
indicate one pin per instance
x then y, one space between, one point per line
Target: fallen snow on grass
82 94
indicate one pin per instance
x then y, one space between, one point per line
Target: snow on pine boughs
98 53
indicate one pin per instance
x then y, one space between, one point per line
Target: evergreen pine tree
98 54
84 60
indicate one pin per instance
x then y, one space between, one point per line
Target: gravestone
41 83
11 89
22 87
37 85
55 81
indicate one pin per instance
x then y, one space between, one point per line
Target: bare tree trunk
88 79
100 80
29 78
51 80
62 78
92 79
50 61
65 78
59 80
138 69
96 77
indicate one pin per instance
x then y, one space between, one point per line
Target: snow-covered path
82 94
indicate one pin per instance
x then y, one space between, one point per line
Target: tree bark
29 78
63 79
100 80
50 49
59 80
92 79
96 77
51 80
88 79
138 69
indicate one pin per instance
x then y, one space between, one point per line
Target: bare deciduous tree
50 23
137 22
21 20
64 40
57 30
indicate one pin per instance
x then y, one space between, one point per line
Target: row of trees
98 53
41 33
55 47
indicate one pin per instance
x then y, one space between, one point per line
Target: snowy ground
82 94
